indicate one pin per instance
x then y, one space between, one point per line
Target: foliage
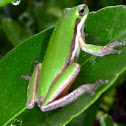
106 120
18 24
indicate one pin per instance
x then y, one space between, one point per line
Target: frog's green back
58 50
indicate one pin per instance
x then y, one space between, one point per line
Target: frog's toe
114 44
30 104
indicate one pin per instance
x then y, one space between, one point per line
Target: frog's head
75 18
79 13
82 11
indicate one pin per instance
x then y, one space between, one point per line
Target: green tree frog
49 84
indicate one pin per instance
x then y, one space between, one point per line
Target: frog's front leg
100 50
66 81
32 86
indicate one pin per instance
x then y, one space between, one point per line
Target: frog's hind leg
32 86
89 88
61 86
100 50
57 97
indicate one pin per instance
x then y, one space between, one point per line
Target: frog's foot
109 48
89 88
100 50
35 63
25 77
39 100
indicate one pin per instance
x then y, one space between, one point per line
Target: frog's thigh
69 81
62 84
31 90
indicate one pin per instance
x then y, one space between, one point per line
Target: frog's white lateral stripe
80 27
66 82
80 31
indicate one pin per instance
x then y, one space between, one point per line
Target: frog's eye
81 12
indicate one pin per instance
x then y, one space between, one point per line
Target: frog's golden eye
81 12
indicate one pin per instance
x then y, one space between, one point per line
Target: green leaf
14 31
13 88
102 27
106 120
5 2
86 118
